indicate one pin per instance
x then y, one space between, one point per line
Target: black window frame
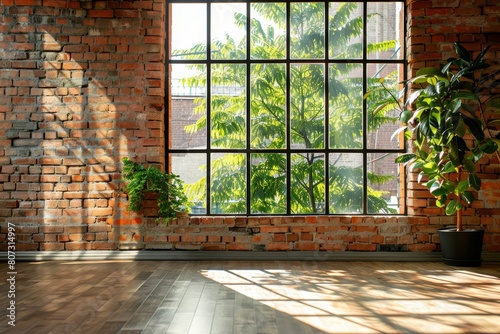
364 61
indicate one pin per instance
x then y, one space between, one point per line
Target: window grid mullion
248 114
327 109
365 151
365 114
288 114
208 170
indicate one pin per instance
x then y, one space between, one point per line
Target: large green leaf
398 132
457 150
441 201
452 207
464 96
462 52
404 158
489 147
453 105
427 72
424 124
480 56
493 105
437 189
478 153
458 125
475 181
475 127
461 187
470 166
497 141
468 197
493 123
430 168
448 167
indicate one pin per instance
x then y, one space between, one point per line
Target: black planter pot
462 248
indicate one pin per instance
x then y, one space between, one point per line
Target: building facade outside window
267 113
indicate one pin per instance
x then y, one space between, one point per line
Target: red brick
73 246
306 246
274 229
299 229
101 13
174 238
9 203
126 13
422 248
125 221
239 247
104 245
63 238
75 229
332 247
26 229
279 246
377 239
51 246
27 246
306 237
362 247
279 237
213 247
99 228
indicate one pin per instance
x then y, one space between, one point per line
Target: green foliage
168 187
445 118
287 104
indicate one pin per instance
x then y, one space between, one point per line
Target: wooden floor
252 297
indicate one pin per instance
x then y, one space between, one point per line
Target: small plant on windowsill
140 180
450 118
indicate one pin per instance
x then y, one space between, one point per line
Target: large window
267 111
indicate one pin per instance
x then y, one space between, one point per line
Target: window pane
188 107
382 123
345 172
189 31
345 30
228 183
268 121
191 168
268 183
268 31
307 105
228 106
385 30
250 118
346 105
307 35
307 183
383 184
228 36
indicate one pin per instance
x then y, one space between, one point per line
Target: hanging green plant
169 188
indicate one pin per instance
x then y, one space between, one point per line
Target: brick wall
82 86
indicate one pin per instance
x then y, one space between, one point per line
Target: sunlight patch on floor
386 301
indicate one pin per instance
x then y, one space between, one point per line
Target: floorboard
252 297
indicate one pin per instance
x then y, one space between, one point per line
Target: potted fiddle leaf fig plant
169 188
451 119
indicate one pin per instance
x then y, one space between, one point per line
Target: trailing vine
169 187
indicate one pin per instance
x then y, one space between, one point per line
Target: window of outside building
266 111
